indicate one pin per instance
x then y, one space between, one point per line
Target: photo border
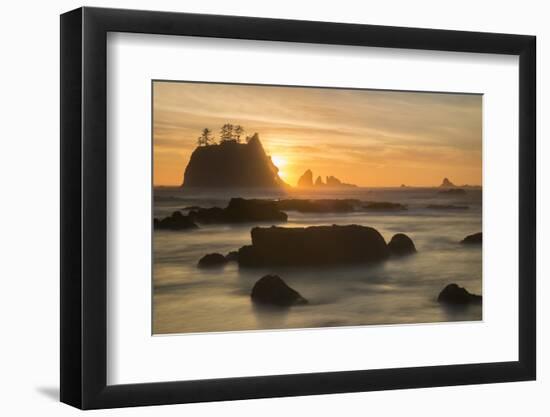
83 310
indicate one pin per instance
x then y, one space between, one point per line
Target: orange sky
365 137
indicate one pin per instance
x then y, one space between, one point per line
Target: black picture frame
84 207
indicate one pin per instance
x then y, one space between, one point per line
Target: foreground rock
212 260
313 246
232 256
475 239
176 221
318 206
383 205
240 210
272 290
401 244
452 294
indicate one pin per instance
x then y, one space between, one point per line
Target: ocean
402 290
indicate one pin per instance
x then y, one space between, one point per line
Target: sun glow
279 162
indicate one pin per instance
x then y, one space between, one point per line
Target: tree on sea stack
205 138
226 133
238 132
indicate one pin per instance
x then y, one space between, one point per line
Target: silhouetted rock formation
446 183
272 290
475 239
401 244
311 246
383 205
452 294
446 207
306 180
232 256
212 260
240 210
453 191
176 221
318 206
231 165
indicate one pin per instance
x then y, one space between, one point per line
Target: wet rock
475 239
176 221
212 260
384 205
232 256
272 290
313 246
452 294
240 210
401 244
207 215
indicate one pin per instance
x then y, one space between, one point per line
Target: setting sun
279 162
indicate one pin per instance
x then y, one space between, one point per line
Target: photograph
288 207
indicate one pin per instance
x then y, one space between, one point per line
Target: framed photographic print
258 207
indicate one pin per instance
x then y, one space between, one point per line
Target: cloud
349 131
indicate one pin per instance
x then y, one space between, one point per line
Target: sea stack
231 164
447 183
306 180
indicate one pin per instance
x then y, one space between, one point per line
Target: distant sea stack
306 181
231 164
447 183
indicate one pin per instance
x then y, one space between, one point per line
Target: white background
134 356
29 235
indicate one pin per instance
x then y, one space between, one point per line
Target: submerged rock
240 210
453 191
272 290
212 260
313 246
454 295
384 205
176 221
475 239
401 244
232 256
